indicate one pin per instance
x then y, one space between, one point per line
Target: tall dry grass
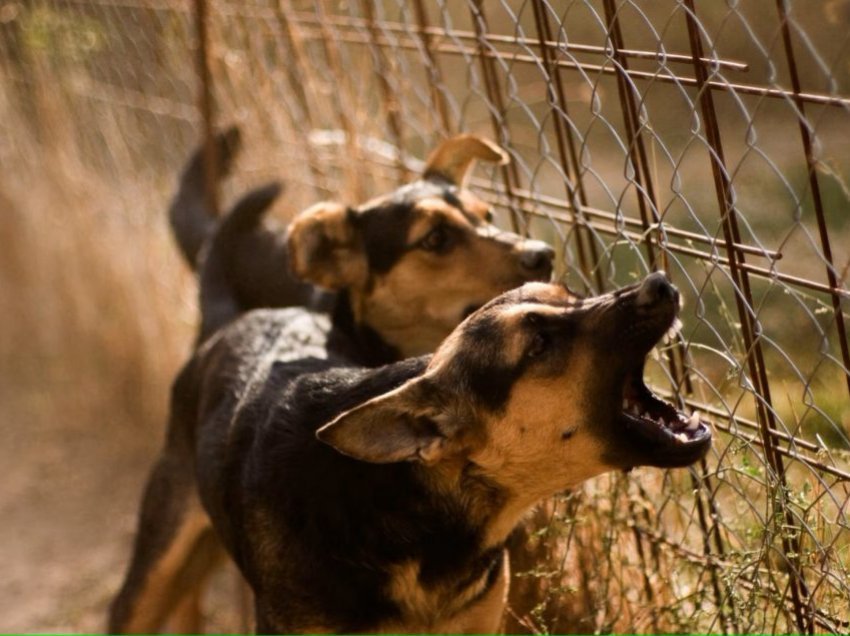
97 309
97 314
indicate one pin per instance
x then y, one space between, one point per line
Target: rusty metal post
433 69
510 173
636 148
300 85
814 184
389 101
749 328
206 105
567 154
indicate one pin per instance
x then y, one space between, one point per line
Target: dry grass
97 315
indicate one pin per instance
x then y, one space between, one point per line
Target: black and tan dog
406 268
380 500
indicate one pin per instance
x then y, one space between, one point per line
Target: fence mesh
707 139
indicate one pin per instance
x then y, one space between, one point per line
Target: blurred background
708 139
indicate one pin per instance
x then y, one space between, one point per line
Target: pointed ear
402 425
454 157
325 249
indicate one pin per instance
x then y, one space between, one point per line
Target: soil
68 501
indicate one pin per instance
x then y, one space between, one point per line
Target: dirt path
68 500
93 325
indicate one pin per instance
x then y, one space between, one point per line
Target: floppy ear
454 157
402 425
325 248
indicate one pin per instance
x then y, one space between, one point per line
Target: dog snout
656 288
536 257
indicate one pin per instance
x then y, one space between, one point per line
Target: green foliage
63 37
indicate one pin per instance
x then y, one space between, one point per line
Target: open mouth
665 436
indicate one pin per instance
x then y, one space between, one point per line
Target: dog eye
539 344
437 240
488 216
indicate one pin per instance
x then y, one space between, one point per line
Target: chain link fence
711 140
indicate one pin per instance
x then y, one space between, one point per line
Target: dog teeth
681 437
625 405
635 410
693 421
661 422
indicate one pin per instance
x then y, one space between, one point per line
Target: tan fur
415 305
548 294
323 248
414 322
474 205
454 157
429 213
190 556
525 451
187 617
454 614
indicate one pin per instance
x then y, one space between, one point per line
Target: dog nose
536 255
656 288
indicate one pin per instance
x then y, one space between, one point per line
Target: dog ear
325 249
453 158
406 424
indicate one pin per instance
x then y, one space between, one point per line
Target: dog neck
356 340
494 511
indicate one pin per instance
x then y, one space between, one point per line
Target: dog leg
187 617
245 603
175 549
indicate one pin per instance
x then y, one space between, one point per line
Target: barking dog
358 499
406 268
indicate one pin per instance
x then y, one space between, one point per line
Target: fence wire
708 139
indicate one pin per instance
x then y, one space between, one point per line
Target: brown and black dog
405 269
407 266
361 499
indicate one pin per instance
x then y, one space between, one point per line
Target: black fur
357 342
191 219
266 463
489 376
384 227
244 418
241 258
384 234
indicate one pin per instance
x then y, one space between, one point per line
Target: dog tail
244 265
236 241
191 218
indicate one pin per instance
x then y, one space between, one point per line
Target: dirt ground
95 319
68 502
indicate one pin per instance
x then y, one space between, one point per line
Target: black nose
656 288
536 255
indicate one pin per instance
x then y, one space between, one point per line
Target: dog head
417 261
536 392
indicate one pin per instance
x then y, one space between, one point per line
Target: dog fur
404 269
361 499
399 271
